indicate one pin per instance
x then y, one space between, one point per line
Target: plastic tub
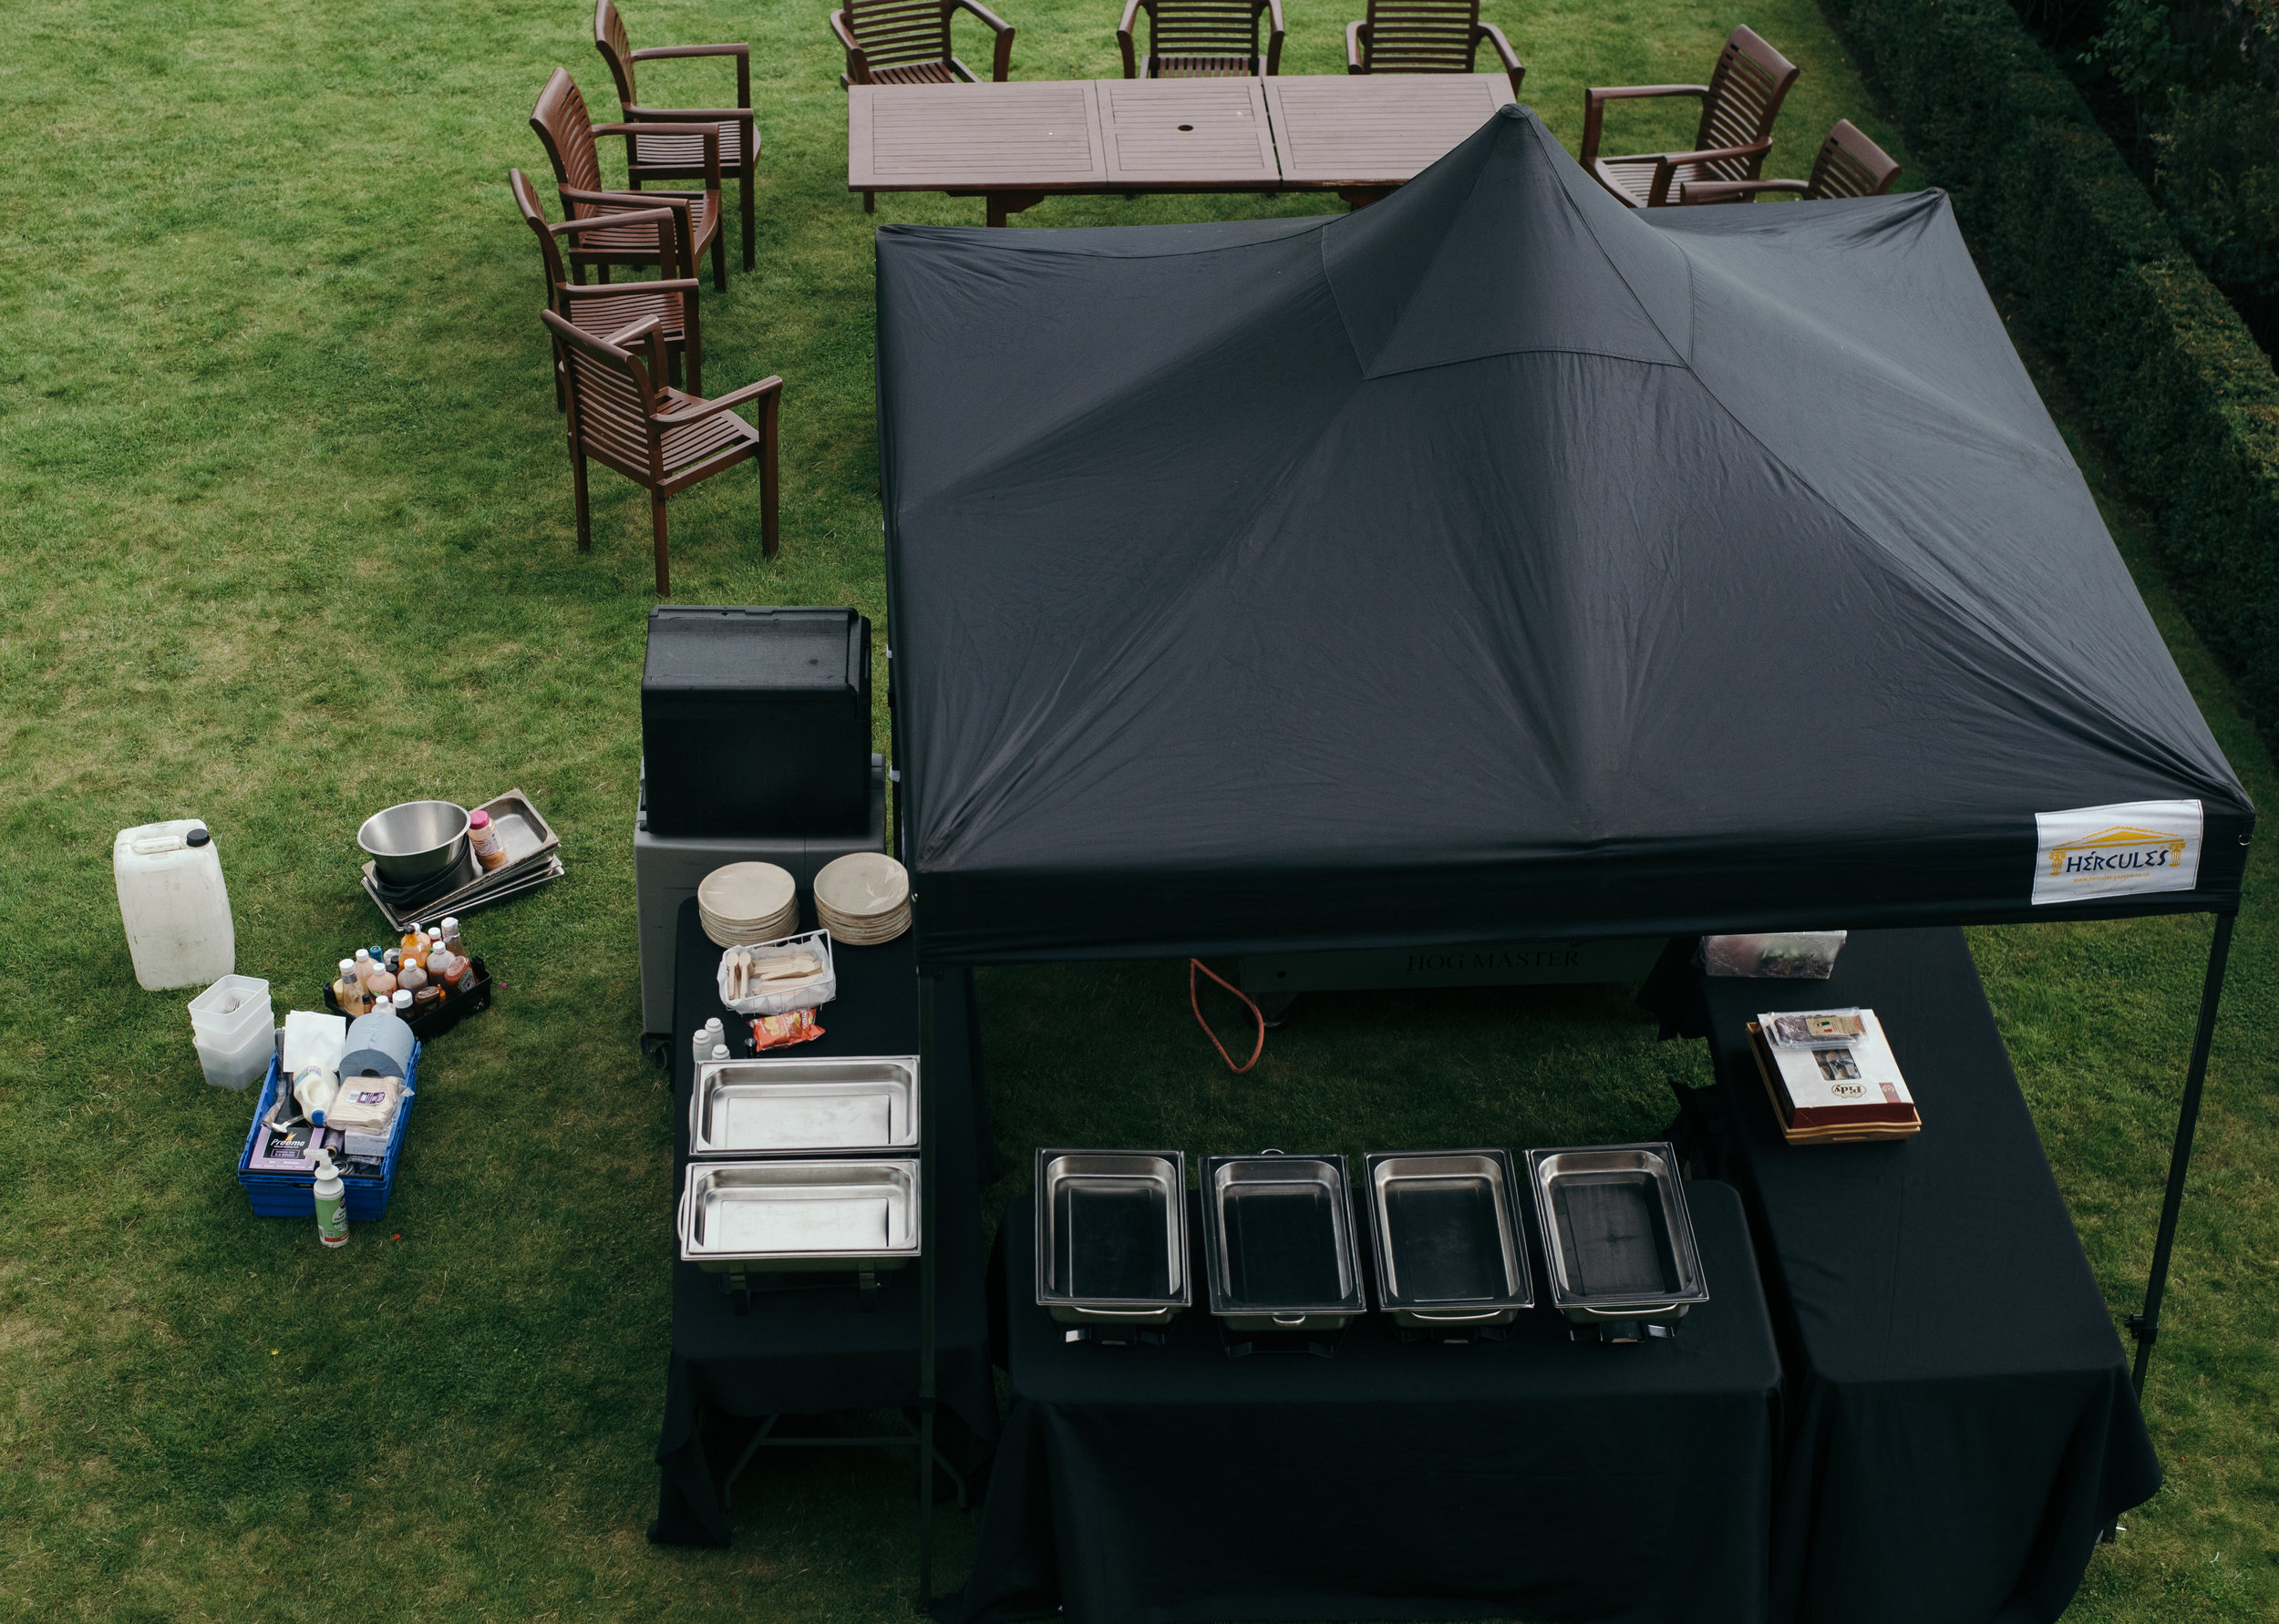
228 1010
240 1062
173 903
293 1195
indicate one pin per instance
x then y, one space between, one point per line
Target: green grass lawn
285 524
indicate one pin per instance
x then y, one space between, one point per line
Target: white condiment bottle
332 1202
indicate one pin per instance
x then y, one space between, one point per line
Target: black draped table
806 1352
1549 1478
1960 1423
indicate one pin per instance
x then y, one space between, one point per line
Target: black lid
711 649
197 837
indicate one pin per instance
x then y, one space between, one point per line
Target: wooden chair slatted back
899 33
1851 166
560 118
1745 97
611 396
616 47
1202 27
1421 36
534 216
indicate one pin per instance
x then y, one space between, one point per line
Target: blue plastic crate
293 1195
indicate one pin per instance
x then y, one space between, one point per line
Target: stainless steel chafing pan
794 1105
765 1217
1617 1237
1111 1237
1444 1225
1278 1235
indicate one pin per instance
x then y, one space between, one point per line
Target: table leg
1002 203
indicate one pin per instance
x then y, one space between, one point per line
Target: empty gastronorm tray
797 1106
1444 1225
762 1217
1278 1235
1617 1237
1111 1236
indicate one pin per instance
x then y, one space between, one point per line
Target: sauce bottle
348 991
490 851
449 928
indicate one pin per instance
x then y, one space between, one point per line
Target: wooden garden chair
681 157
1849 166
603 310
1201 39
1738 106
907 42
624 418
567 134
1425 37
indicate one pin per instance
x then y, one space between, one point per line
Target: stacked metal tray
799 1165
1618 1241
1111 1237
1278 1236
1446 1236
533 858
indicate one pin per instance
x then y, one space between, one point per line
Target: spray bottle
332 1202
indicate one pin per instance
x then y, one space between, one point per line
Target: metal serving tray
796 1105
1617 1237
1445 1228
1278 1235
1111 1237
523 832
795 1215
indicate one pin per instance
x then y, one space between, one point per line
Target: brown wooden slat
975 138
1367 131
1198 131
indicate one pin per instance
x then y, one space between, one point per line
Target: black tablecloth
806 1351
1961 1422
1552 1478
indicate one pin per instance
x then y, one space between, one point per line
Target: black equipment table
1961 1422
1555 1478
806 1352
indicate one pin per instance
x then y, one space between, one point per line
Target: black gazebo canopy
1501 561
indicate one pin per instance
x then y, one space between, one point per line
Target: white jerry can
174 904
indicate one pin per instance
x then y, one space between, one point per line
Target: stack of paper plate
748 903
863 899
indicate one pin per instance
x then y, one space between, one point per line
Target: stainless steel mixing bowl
416 841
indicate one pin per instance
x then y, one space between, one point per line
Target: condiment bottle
401 1004
332 1202
381 983
426 998
449 928
348 991
490 851
415 956
463 975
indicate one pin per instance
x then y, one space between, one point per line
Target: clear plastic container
224 1012
238 1062
172 901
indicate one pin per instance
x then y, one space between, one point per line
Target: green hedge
2171 378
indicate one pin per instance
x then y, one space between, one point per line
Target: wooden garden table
1015 144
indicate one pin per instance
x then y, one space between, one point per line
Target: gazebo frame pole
2146 1326
928 1072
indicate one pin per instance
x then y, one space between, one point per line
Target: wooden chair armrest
662 213
615 203
1513 68
1667 165
1594 102
857 63
1356 34
1002 68
625 337
571 292
1274 39
1123 39
710 136
735 397
742 53
690 115
1717 191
